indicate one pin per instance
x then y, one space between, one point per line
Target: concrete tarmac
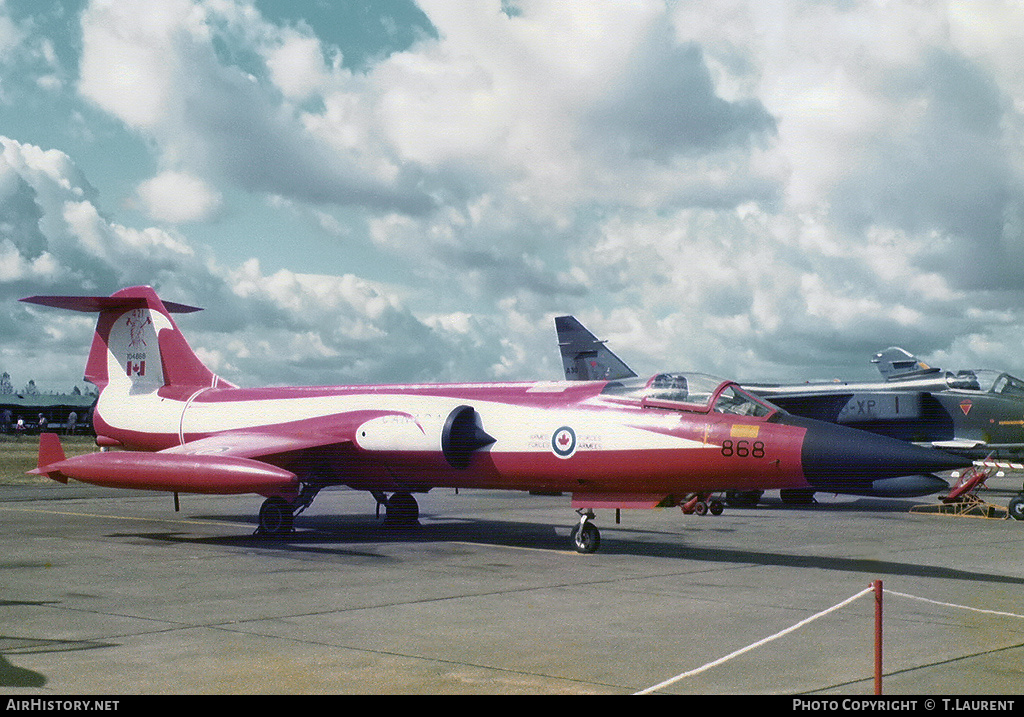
112 592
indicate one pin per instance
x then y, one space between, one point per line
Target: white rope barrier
949 604
748 648
812 618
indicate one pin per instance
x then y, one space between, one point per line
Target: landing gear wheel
743 498
586 538
402 510
1016 507
275 517
797 496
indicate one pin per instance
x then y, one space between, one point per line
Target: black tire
402 509
716 507
276 517
743 498
1016 507
797 496
586 538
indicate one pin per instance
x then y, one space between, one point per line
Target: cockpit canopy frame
986 381
691 392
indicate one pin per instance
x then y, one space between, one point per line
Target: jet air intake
461 436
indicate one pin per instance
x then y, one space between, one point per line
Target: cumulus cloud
278 328
28 61
177 197
165 70
759 190
297 66
664 102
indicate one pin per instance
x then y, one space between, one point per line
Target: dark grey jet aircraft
976 413
979 412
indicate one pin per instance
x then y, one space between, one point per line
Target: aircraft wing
980 449
257 443
275 439
962 444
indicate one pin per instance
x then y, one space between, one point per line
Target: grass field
18 456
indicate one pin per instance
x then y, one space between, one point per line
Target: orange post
878 636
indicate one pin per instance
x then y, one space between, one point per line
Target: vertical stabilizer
584 358
895 363
137 346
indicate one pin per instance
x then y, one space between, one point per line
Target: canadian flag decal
137 368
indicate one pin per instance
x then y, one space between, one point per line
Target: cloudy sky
410 190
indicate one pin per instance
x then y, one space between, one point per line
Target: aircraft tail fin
137 346
895 362
584 357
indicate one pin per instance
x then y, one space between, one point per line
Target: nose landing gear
586 538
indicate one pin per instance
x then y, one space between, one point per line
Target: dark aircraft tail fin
584 358
895 362
137 346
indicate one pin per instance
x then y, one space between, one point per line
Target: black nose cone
834 454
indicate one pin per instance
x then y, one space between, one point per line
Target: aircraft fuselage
546 436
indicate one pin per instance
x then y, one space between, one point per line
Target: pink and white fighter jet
671 439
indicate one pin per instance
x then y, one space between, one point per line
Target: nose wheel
586 538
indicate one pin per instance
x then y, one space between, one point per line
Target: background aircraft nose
832 453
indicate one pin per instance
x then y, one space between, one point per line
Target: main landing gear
400 510
277 516
703 505
743 498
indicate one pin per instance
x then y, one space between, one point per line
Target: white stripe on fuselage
516 428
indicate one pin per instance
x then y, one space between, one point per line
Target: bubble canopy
695 392
986 381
